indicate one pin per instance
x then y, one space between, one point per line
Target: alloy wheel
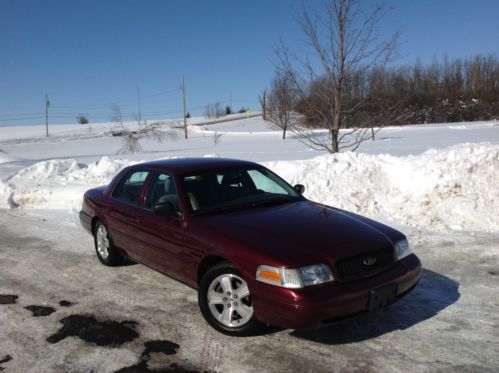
229 300
102 242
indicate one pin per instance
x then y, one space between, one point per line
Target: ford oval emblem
369 261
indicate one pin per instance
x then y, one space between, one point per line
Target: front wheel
225 301
104 247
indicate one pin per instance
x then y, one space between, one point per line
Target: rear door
125 206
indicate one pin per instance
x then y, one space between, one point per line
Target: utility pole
183 104
230 103
47 104
138 99
263 104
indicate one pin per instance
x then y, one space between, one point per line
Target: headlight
294 278
402 249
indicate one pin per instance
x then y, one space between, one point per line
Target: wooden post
47 103
183 104
263 104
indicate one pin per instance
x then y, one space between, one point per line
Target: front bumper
316 305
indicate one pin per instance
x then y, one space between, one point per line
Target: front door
160 240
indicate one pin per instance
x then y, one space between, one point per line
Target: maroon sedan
257 251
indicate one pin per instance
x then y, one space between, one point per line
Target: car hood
299 233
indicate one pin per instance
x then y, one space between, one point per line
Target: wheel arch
93 223
208 262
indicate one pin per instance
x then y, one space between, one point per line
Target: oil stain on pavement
157 356
102 333
164 346
40 310
8 298
4 359
158 346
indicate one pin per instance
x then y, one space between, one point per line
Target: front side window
161 190
129 187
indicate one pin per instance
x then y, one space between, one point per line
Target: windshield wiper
232 208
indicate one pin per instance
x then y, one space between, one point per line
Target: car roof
186 165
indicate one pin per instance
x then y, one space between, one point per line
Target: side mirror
300 188
166 209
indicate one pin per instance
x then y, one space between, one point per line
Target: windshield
235 188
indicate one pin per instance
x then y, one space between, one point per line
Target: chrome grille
361 265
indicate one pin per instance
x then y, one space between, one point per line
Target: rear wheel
225 301
104 247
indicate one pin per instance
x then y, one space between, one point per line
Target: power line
59 112
102 106
18 115
132 101
8 120
107 114
70 114
131 115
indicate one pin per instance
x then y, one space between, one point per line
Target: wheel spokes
226 316
242 291
102 242
215 298
226 284
245 312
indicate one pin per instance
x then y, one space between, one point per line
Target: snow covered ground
437 183
451 186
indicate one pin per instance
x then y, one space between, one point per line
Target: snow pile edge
441 190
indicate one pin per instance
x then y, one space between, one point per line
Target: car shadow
433 293
128 262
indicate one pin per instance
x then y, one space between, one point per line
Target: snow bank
450 189
5 192
60 184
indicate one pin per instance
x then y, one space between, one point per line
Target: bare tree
143 130
344 43
214 110
217 136
282 100
208 111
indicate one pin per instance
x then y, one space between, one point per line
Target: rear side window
129 187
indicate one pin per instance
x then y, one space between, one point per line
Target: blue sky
89 54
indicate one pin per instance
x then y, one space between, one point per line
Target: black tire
243 323
101 236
